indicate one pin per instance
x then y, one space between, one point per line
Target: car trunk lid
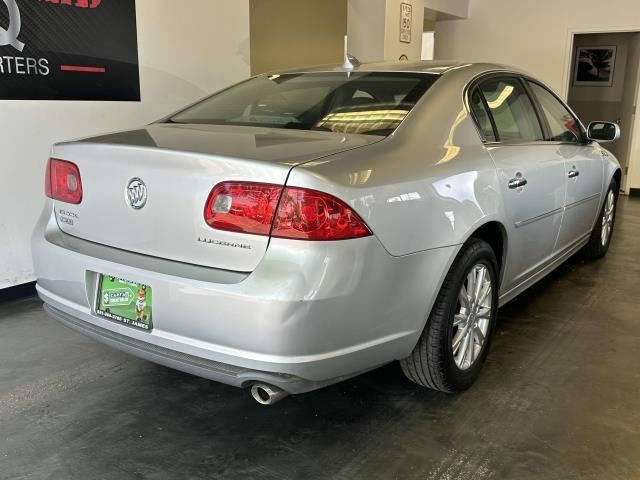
179 165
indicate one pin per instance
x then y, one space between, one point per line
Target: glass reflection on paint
404 197
360 178
453 150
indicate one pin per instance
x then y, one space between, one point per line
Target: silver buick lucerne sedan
302 227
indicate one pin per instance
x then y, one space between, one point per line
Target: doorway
604 83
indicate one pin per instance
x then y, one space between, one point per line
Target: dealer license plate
125 301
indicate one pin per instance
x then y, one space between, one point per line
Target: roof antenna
350 62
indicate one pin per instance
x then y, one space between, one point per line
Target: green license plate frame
125 302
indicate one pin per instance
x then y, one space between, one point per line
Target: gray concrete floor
559 398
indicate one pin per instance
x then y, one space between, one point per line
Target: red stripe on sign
76 68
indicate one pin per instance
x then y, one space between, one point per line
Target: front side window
563 127
357 102
512 110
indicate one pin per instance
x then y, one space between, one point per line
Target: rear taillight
62 181
242 207
310 215
301 214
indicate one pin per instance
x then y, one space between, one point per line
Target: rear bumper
310 314
219 372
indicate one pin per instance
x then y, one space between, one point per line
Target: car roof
425 66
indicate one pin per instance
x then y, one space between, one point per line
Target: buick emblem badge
136 193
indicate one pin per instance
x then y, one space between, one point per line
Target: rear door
531 174
582 163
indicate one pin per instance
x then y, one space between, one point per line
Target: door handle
573 173
517 182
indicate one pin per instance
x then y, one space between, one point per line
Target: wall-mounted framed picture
405 22
594 66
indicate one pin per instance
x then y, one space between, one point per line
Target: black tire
432 363
595 249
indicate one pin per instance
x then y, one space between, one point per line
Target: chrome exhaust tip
266 394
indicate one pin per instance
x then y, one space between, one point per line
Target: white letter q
10 35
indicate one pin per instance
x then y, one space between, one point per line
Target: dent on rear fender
348 292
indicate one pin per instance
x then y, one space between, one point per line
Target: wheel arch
495 234
617 176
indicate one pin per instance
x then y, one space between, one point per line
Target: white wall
186 50
293 33
534 36
373 27
365 27
448 8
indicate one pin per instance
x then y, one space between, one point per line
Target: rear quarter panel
429 185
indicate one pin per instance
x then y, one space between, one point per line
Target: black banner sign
68 50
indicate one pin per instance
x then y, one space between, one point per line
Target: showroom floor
558 399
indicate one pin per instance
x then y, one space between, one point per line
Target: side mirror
603 131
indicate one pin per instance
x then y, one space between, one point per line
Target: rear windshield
357 102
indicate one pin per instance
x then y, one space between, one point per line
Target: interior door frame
566 85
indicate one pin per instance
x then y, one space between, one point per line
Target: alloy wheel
472 318
607 218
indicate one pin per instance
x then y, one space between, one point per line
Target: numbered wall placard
405 22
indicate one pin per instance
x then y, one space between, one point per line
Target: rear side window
512 110
563 126
481 116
